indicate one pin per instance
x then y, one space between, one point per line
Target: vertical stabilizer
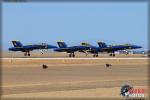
102 44
62 44
17 43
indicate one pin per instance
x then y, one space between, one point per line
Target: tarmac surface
71 78
37 54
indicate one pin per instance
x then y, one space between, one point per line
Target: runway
66 55
67 78
140 58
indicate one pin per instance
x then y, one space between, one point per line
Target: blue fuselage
31 47
71 49
94 49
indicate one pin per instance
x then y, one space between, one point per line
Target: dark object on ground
108 65
44 66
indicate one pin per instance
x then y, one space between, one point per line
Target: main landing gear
127 53
95 55
71 55
27 54
112 54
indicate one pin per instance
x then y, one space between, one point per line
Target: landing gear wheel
70 55
28 54
25 54
73 55
41 53
110 54
96 55
113 54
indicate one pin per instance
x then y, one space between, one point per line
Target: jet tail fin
17 43
102 44
62 44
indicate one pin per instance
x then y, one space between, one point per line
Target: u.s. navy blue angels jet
71 50
18 46
112 48
109 49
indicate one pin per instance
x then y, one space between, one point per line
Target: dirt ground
71 78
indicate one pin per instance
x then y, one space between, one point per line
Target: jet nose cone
136 46
140 47
51 46
54 46
10 49
57 49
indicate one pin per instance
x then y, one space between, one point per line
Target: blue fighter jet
109 49
71 50
112 48
91 49
18 46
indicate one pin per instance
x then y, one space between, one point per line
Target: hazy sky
75 22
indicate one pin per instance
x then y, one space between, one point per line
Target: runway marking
69 58
76 82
